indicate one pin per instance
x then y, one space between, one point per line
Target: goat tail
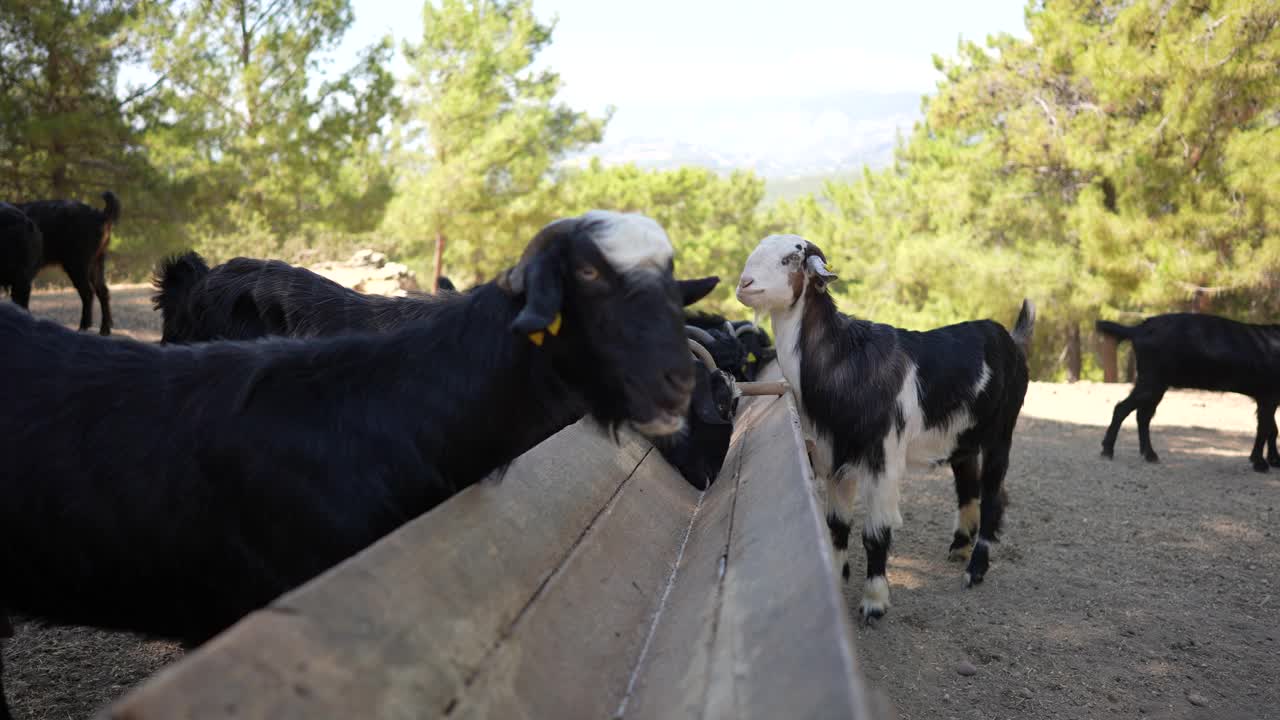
112 208
1116 330
174 277
1025 325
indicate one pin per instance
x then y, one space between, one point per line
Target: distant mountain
797 138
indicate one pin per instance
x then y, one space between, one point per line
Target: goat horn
747 327
728 326
700 335
702 354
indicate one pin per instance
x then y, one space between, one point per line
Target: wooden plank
398 630
571 653
757 625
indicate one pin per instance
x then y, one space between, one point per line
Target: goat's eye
586 273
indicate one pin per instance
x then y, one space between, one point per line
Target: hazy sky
735 73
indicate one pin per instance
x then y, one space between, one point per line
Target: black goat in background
76 236
1202 352
19 253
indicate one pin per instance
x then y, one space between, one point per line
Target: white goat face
774 276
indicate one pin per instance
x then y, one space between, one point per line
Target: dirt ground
1121 589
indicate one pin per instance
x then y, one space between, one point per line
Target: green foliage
65 131
1120 162
241 114
481 132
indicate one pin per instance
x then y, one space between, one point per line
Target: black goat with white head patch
231 472
875 398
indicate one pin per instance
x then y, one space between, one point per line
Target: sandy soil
1121 590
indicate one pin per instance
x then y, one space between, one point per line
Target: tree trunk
1073 353
435 280
1107 349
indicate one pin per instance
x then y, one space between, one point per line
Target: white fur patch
984 377
921 446
875 595
765 284
631 241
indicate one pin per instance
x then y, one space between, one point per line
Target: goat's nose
746 281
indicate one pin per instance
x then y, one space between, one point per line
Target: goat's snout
745 282
677 383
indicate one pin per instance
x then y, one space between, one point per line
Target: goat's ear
543 295
691 291
816 267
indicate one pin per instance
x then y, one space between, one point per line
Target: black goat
19 253
740 347
180 487
76 237
875 398
246 298
726 352
444 284
698 451
1204 352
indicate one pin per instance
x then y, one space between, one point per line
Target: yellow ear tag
554 327
751 357
537 337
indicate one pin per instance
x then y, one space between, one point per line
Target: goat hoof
1261 466
1108 453
875 597
1274 461
104 332
1151 457
971 579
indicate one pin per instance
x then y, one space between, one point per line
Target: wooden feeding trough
591 582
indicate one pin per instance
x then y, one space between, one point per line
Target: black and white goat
1204 352
76 236
19 253
875 398
170 490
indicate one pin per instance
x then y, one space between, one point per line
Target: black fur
181 487
76 237
246 298
698 451
444 284
1204 352
20 248
741 353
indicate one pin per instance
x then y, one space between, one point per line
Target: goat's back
953 360
150 477
1208 352
71 230
247 298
